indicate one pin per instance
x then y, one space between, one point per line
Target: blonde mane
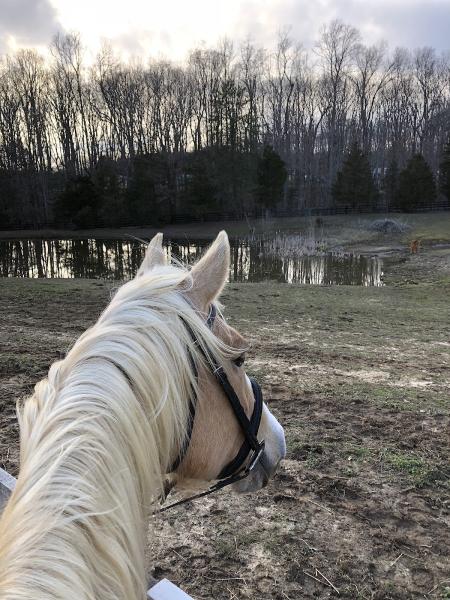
97 436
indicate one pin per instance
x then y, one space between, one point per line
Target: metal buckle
256 457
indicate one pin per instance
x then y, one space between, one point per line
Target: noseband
241 466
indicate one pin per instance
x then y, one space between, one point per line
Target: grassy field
360 379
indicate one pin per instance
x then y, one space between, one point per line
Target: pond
120 259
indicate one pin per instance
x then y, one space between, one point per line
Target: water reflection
120 259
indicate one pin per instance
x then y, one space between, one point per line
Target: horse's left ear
210 274
154 255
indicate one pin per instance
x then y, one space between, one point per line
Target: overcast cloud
171 27
26 23
410 23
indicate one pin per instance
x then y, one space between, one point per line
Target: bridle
251 451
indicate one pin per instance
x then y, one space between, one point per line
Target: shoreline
344 233
429 227
144 233
435 225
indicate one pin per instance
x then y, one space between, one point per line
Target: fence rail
209 217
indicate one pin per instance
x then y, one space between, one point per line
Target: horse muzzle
274 452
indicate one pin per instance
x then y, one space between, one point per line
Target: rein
234 471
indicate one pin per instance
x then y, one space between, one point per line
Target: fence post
7 484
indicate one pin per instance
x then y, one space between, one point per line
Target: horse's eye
239 361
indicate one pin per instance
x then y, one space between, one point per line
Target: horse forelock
96 438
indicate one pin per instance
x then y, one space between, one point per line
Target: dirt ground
360 379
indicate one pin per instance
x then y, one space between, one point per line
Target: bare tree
58 118
336 49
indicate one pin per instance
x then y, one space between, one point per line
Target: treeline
411 189
234 131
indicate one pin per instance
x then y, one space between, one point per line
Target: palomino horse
100 434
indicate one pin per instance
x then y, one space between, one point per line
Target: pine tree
354 186
390 185
416 187
272 176
145 192
200 193
79 203
113 211
444 172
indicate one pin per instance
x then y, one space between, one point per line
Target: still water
120 259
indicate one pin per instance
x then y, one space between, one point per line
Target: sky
142 28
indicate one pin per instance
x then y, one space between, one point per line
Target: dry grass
294 245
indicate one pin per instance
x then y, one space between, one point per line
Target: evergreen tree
7 198
233 174
271 177
147 191
444 172
108 186
200 189
416 187
390 185
79 203
355 186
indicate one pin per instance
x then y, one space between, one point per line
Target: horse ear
154 255
210 274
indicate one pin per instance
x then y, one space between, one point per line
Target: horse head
219 446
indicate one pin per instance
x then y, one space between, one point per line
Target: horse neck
76 524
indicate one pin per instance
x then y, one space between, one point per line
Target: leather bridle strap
220 484
239 413
249 427
233 471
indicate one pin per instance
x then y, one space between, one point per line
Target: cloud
410 23
26 23
416 24
172 27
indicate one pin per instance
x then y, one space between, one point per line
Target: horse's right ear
154 255
210 274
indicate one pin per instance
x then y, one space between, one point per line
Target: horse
148 392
